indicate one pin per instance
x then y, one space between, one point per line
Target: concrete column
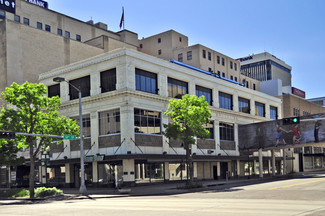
236 138
64 92
43 177
191 88
95 84
95 171
127 130
215 97
284 161
125 75
166 170
254 167
166 147
218 169
69 174
260 159
128 171
252 106
238 167
67 149
235 102
273 162
94 130
195 170
217 136
162 84
267 110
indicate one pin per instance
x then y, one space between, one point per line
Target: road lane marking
303 183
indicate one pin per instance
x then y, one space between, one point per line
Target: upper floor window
210 127
176 88
39 25
203 53
209 56
223 61
226 131
225 101
244 105
85 124
78 37
223 75
159 52
108 80
218 59
259 109
141 46
67 34
146 81
109 122
231 65
247 84
254 86
146 121
180 57
159 40
26 21
17 18
235 64
206 92
53 90
305 113
296 112
218 73
273 112
83 84
59 31
189 55
180 39
236 79
47 28
2 15
231 77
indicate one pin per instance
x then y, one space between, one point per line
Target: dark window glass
218 59
180 57
82 83
108 80
236 79
180 39
244 105
159 52
176 88
231 77
146 121
146 81
230 64
189 55
60 32
203 53
39 25
235 64
225 101
223 61
259 109
273 112
53 90
210 128
247 84
67 34
85 124
26 21
2 15
254 86
17 18
206 92
218 73
47 28
226 131
209 56
78 37
109 122
141 46
223 75
159 40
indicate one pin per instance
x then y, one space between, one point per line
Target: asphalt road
302 196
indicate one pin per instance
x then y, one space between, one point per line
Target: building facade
125 96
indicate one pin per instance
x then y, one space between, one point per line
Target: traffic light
7 135
292 120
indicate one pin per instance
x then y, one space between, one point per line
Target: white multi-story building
125 94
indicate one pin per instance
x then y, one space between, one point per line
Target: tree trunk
189 164
32 170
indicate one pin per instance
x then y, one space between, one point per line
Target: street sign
69 137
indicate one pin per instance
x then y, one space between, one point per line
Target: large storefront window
176 88
146 81
177 171
225 101
146 121
149 172
109 122
226 131
317 162
308 162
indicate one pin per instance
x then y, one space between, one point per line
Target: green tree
30 111
189 114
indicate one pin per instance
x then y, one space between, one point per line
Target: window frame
150 81
207 92
180 86
258 108
225 101
226 131
143 119
244 101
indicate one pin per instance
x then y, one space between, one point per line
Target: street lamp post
83 189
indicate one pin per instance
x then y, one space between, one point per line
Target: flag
122 18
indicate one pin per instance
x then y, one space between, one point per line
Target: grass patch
44 192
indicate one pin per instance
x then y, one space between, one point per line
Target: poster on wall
277 133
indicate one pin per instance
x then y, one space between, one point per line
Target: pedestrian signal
292 120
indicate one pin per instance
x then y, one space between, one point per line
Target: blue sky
292 30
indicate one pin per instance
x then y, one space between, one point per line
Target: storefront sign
40 3
13 175
8 5
92 158
245 58
298 92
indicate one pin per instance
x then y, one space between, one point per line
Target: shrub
44 192
22 193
